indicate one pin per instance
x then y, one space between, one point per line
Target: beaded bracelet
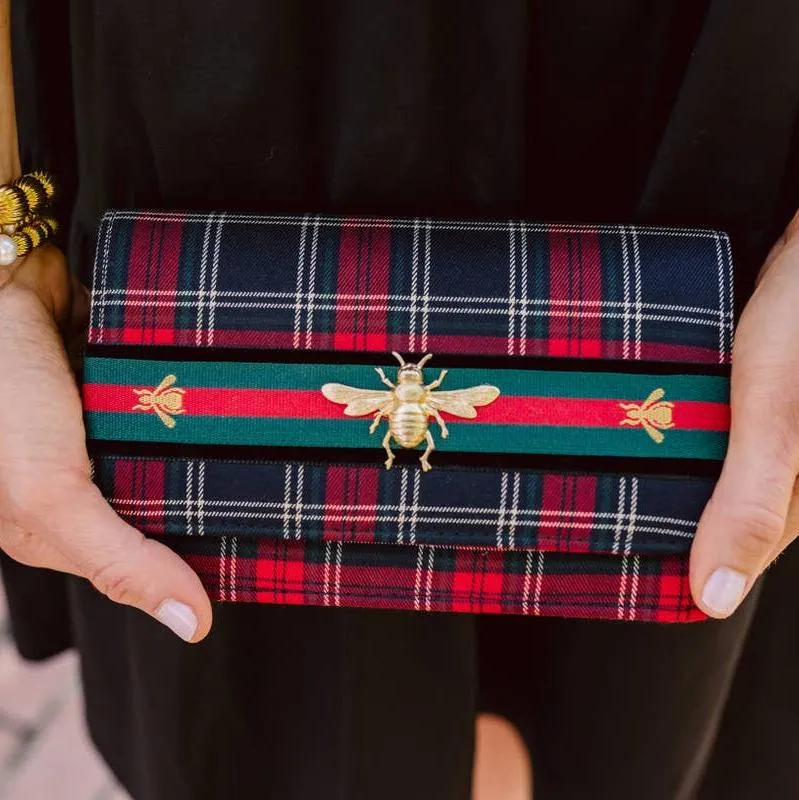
24 219
30 236
26 197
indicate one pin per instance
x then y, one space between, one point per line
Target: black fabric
681 111
757 749
613 710
283 703
38 609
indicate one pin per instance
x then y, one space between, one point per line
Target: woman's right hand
51 514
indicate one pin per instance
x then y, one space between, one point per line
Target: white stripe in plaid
512 292
729 309
201 291
413 299
310 299
326 573
503 496
495 519
100 271
414 505
417 583
652 312
298 502
637 289
514 510
426 287
539 579
201 500
300 292
525 299
403 502
189 501
632 518
384 222
214 280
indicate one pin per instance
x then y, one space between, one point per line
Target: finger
788 237
120 562
31 551
745 519
791 530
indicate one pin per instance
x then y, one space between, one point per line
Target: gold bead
47 183
51 224
12 205
23 243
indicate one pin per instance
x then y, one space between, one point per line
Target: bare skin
753 514
502 768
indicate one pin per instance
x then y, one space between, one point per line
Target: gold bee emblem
164 400
653 415
409 404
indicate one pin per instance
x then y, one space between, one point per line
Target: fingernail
179 618
724 590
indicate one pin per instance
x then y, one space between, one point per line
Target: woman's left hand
754 512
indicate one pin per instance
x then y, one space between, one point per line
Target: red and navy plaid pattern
512 509
329 283
424 578
546 541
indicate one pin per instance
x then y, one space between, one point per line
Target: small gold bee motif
409 404
653 415
164 400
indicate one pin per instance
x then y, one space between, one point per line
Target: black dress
681 111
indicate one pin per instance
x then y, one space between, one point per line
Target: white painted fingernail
724 590
179 618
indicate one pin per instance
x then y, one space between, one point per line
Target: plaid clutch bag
552 457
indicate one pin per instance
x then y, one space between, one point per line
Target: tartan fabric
326 283
564 512
537 411
423 578
549 541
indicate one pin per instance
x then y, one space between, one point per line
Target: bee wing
168 381
462 402
358 401
654 396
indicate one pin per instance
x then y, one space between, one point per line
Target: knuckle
760 529
116 583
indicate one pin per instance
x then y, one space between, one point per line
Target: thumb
744 521
123 564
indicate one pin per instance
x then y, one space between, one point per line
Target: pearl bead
8 250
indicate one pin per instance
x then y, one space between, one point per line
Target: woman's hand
51 514
754 511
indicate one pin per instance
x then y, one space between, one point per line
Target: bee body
408 424
164 400
654 415
409 405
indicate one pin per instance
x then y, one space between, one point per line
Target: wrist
45 275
